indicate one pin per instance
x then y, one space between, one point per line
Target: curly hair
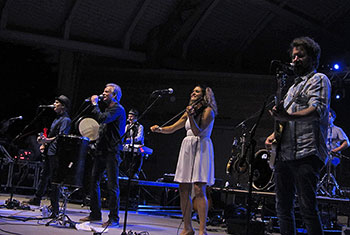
209 98
312 48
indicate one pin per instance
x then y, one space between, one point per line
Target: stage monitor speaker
238 227
345 231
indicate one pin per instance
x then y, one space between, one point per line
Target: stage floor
145 222
136 221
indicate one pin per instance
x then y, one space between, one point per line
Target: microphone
100 97
47 106
283 65
16 118
168 91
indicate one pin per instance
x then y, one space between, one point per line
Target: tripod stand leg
336 187
67 220
53 220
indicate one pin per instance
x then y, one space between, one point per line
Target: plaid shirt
304 138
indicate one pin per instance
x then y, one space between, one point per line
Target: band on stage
103 142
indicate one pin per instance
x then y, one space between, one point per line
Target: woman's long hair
209 98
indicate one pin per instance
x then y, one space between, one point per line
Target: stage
163 218
137 221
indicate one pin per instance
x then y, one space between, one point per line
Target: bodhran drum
262 173
71 156
88 127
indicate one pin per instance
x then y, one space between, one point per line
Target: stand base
62 220
328 186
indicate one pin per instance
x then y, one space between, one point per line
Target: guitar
238 161
41 136
278 129
278 126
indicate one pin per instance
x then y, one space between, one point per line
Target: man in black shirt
60 126
107 154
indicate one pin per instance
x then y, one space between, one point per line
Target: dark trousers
298 177
108 162
45 177
49 167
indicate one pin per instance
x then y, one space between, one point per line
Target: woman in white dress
195 165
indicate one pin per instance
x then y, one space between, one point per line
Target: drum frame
77 127
270 182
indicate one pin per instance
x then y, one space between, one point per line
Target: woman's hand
190 110
156 129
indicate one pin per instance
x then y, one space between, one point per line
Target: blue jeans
110 163
298 177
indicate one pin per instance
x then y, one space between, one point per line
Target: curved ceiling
216 35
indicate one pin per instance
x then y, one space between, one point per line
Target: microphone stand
251 143
130 172
21 135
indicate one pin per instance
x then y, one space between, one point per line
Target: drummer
60 126
136 135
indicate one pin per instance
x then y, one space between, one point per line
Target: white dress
196 157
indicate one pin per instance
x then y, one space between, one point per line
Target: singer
195 166
302 149
107 155
60 126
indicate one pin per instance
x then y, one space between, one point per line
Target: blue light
337 96
336 66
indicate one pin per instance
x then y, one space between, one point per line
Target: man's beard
300 70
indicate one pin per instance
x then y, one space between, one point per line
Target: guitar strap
299 91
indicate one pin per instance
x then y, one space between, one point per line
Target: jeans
298 177
109 162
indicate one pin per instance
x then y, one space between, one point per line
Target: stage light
336 66
339 94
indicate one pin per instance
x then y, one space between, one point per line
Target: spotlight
339 93
336 66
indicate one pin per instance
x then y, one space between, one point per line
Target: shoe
111 224
89 218
33 202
